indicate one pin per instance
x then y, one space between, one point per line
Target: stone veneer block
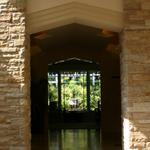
137 47
137 13
14 77
136 37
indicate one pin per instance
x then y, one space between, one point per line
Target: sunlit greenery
74 88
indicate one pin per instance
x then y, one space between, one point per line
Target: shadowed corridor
86 43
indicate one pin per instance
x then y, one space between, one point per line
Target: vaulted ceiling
73 24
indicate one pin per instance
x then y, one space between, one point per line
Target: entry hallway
75 139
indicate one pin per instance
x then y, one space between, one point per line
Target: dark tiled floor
74 139
39 142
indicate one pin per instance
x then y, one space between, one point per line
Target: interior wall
14 77
39 96
111 99
136 75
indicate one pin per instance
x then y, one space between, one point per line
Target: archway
15 73
96 14
75 40
76 12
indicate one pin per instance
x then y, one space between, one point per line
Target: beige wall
115 5
47 15
136 75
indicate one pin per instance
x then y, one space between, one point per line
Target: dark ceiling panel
74 35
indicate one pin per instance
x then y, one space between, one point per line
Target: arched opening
74 94
87 43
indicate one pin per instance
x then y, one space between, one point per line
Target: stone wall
14 77
136 75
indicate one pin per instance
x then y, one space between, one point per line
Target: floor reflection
76 139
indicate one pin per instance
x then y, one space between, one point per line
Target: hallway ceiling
73 35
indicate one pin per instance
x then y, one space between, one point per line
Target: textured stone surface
137 13
14 78
136 75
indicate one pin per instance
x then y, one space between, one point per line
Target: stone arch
74 12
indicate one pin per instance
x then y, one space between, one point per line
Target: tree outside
74 90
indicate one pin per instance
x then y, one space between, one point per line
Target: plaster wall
115 5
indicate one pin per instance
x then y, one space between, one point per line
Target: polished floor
74 139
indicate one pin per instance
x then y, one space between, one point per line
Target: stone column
14 77
136 75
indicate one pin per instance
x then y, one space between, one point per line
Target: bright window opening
79 90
